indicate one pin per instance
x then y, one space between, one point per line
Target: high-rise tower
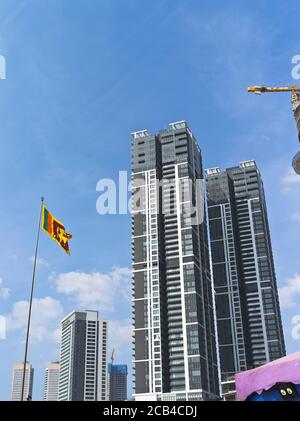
83 357
174 332
117 382
247 306
51 382
18 379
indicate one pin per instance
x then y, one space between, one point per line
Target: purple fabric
286 369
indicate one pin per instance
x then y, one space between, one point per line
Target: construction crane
112 356
295 99
261 89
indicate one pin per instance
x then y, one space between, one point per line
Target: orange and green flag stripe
55 229
47 221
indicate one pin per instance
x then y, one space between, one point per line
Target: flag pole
30 300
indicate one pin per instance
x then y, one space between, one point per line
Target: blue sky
81 76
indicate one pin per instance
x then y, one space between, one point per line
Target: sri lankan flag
55 229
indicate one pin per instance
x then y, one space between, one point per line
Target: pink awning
286 369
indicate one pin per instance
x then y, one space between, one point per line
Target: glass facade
174 334
247 306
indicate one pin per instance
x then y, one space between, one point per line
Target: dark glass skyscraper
174 329
247 306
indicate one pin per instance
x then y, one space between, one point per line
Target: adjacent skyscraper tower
247 306
174 332
51 382
83 357
17 382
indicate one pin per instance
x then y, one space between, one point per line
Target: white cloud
103 290
40 261
287 294
46 315
120 339
4 292
56 335
290 180
296 216
120 333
